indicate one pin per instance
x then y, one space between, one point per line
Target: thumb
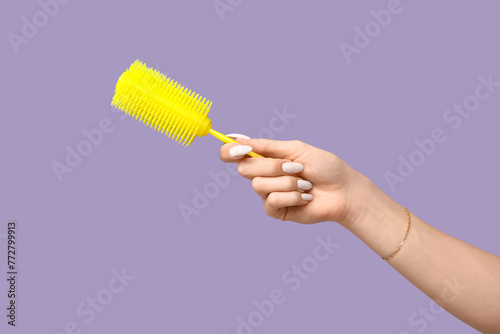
275 148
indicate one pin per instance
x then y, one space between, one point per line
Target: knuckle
266 145
270 212
242 169
257 183
261 144
297 143
272 200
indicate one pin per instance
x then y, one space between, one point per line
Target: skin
461 278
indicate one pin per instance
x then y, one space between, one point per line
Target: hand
328 196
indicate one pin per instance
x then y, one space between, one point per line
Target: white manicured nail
306 197
237 135
304 185
292 167
240 150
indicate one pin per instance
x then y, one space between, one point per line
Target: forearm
463 279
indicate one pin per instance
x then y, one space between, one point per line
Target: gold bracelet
404 238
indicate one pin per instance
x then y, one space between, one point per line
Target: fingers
268 148
263 186
276 148
274 176
253 167
234 152
277 201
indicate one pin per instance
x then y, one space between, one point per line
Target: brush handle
228 140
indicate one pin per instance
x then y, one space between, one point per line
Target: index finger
225 155
281 149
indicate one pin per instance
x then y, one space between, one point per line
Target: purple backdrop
102 244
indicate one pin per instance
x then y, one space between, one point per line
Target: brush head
162 103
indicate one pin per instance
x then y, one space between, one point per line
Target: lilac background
120 207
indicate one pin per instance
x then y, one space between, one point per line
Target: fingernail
237 135
292 167
240 150
306 197
304 185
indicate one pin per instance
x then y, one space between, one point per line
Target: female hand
460 277
329 185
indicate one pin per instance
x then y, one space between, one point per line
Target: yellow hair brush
164 104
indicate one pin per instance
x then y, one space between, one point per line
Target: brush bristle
162 103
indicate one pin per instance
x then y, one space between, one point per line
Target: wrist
359 192
367 204
374 217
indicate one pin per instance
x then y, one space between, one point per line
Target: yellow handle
228 140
